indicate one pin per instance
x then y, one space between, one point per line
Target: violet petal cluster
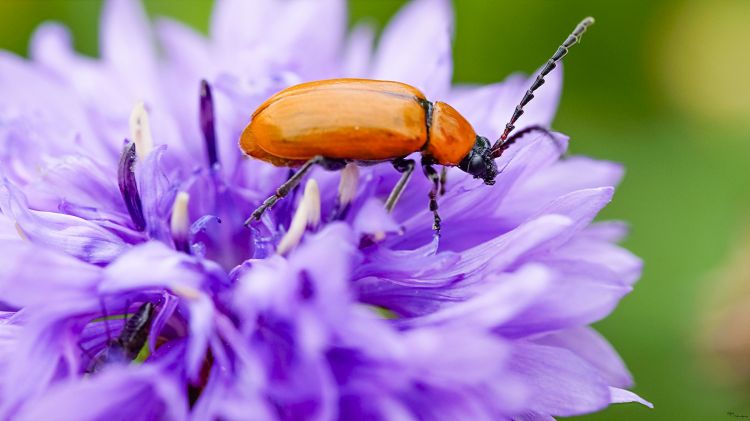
122 184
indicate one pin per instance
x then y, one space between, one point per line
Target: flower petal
415 47
581 207
624 396
561 178
358 52
373 219
586 343
77 182
69 234
154 265
610 231
579 295
127 44
262 37
389 280
496 304
31 274
622 263
240 23
201 328
133 393
157 195
561 383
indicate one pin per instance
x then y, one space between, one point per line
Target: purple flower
331 308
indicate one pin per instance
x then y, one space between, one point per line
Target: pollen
307 215
187 292
179 223
140 130
21 233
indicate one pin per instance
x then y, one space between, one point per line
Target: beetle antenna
562 50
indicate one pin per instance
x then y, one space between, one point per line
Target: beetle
128 344
335 122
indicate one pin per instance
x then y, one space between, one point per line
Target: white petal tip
618 395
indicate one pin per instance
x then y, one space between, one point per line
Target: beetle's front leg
431 174
284 189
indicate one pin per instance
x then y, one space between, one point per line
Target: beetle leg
430 172
443 179
406 168
284 189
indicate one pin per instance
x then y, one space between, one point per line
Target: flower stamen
128 186
308 214
179 223
140 130
208 126
187 292
20 232
347 190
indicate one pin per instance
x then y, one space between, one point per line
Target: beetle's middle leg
406 168
433 176
443 179
288 186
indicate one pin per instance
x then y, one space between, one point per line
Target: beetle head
479 161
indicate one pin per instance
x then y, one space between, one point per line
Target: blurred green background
661 86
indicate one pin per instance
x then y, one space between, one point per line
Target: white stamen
140 131
348 184
186 291
307 214
180 223
21 233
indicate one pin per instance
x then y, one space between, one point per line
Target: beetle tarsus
257 213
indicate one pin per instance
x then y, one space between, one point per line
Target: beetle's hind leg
291 183
433 176
406 168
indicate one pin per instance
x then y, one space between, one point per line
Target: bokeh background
661 86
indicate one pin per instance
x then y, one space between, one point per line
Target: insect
128 344
335 122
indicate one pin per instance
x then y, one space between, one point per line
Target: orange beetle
335 122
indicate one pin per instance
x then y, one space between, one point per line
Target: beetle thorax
451 137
